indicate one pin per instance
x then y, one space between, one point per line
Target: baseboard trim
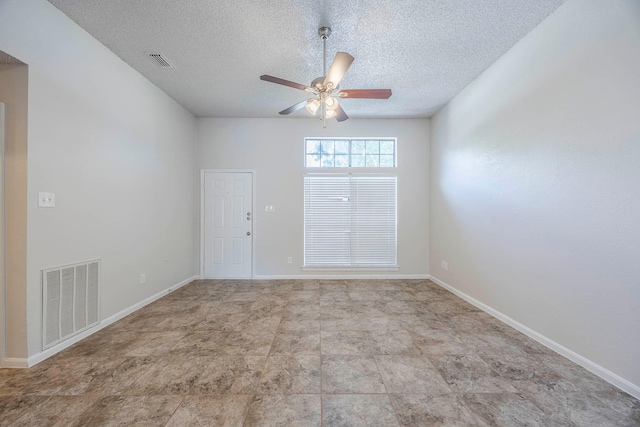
15 362
39 357
343 276
589 365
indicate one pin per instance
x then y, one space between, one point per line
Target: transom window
350 153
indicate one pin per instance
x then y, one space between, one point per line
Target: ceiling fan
326 89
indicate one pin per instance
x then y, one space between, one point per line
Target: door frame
253 225
3 270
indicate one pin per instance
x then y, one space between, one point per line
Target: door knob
248 233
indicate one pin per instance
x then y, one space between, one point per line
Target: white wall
274 148
535 184
117 152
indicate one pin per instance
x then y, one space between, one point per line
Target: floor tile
463 322
525 373
199 343
420 321
304 296
269 304
258 322
13 407
397 341
296 410
301 311
505 410
363 295
578 409
290 374
170 375
121 379
328 297
348 342
360 323
351 374
153 343
71 377
470 374
210 343
299 325
131 410
222 411
243 296
333 286
406 374
59 411
277 287
622 403
13 381
415 410
272 352
216 321
395 307
358 410
305 285
438 341
230 375
298 342
575 373
491 342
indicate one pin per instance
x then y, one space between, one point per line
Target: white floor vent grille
69 300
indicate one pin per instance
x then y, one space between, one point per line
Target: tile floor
310 353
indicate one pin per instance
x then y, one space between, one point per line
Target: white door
228 216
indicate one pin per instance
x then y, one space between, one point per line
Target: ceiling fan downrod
324 33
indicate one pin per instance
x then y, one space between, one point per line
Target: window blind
350 221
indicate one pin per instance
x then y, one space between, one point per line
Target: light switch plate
47 200
270 208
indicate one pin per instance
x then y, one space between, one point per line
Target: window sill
329 268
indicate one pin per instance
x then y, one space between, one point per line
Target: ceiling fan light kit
326 89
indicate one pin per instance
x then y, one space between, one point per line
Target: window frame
350 140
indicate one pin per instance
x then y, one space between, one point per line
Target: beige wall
274 149
535 183
13 93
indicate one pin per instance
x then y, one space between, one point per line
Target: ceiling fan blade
341 116
284 82
339 66
365 93
293 108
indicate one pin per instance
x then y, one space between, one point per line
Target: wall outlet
289 260
444 265
143 278
46 200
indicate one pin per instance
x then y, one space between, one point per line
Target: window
350 220
350 153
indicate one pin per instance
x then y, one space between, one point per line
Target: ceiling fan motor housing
323 88
324 32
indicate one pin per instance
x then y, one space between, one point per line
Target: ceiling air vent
160 60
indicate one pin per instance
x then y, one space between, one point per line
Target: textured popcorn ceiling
426 51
